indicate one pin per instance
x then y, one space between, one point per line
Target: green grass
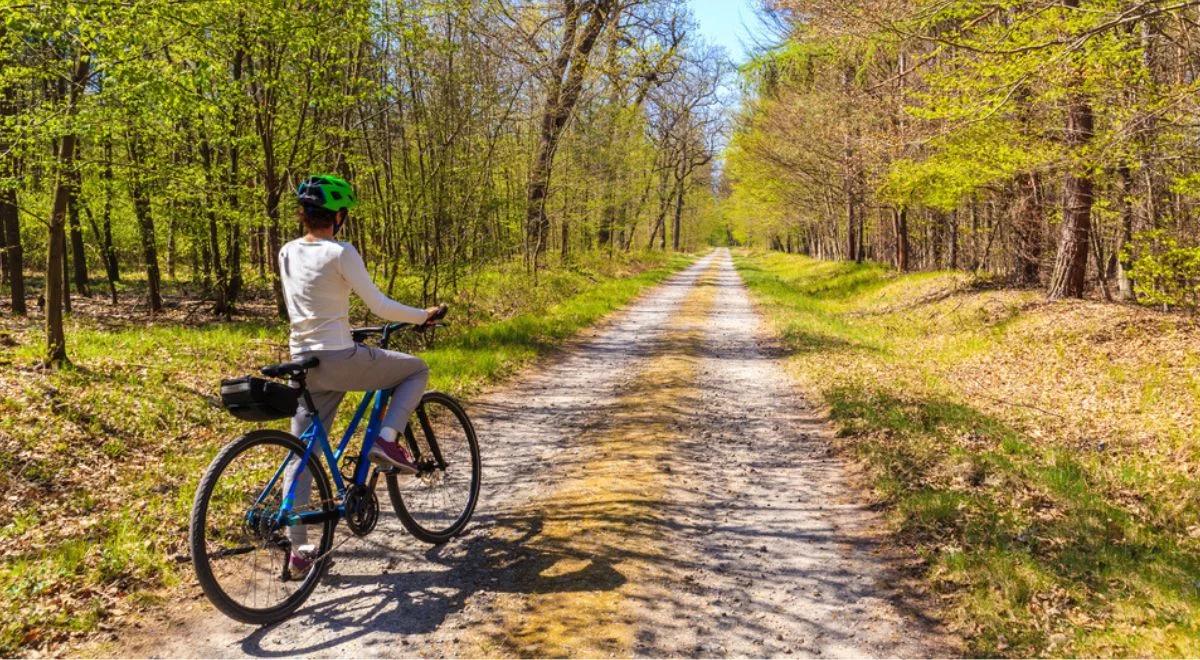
100 460
1041 458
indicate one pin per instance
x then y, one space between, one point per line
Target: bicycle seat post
300 378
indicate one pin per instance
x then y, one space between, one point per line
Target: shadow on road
496 556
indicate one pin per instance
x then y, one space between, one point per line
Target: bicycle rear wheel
436 504
240 550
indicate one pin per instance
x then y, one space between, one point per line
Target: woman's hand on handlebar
435 314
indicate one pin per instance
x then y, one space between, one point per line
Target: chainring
362 509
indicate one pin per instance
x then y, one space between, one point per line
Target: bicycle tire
197 533
403 511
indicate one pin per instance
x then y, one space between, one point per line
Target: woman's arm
359 279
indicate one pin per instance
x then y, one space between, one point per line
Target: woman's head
318 219
325 200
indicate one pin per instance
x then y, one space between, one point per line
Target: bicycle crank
362 509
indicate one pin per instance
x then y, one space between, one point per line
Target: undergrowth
1041 458
100 460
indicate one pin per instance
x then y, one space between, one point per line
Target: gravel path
657 489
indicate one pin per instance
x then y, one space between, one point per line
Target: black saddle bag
257 399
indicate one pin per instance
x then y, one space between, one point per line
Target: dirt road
658 489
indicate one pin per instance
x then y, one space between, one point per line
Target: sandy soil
657 489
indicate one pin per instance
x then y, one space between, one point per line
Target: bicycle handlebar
386 330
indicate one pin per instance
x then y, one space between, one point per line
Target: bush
1163 272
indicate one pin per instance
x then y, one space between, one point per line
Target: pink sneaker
301 559
391 455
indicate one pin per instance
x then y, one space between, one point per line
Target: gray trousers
359 369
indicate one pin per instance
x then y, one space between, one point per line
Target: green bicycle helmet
326 191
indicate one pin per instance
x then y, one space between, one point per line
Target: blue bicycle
251 503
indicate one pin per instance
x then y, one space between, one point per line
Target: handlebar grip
440 313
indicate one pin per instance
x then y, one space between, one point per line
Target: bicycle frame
315 437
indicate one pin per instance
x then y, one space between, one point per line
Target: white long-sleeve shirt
318 277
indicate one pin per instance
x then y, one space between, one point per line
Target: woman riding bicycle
318 274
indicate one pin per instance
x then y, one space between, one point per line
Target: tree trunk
902 246
78 256
566 84
234 251
10 219
56 340
1124 259
851 245
265 116
273 244
112 284
213 234
1070 266
107 248
142 210
658 223
564 247
3 247
677 224
862 235
233 265
172 227
974 235
1147 135
660 218
202 264
220 304
1027 224
937 239
954 239
537 226
14 256
66 262
108 253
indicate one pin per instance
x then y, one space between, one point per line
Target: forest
159 142
1050 143
937 261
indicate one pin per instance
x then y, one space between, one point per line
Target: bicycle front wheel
436 504
241 550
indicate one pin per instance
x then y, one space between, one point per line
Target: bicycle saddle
293 368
